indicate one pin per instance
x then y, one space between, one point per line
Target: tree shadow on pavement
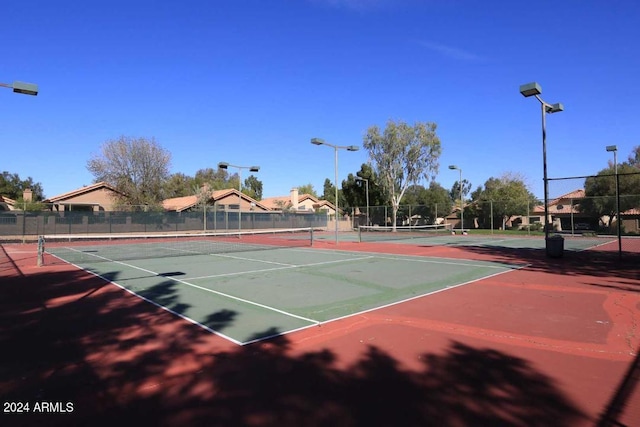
70 337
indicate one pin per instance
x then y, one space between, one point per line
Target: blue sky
251 81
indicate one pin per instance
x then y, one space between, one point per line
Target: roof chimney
27 195
294 199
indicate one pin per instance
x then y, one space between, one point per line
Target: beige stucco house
223 200
7 204
301 203
564 214
91 198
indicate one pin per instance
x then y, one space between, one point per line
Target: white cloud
451 52
352 4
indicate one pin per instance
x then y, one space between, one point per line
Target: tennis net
374 233
78 249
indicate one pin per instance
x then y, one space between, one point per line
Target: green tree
414 194
178 185
600 191
136 167
504 197
355 190
203 194
253 187
13 187
427 203
403 155
437 202
216 179
455 190
634 157
307 189
329 191
329 194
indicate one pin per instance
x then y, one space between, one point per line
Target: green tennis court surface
251 295
438 237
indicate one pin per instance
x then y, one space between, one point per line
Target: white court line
182 316
246 301
286 267
415 297
429 259
378 307
414 258
596 246
229 256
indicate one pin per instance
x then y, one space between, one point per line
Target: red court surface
554 343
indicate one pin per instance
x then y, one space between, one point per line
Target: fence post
528 221
491 210
435 221
40 251
571 211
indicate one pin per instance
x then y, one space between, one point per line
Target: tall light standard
224 165
454 167
366 181
23 88
614 148
320 141
534 89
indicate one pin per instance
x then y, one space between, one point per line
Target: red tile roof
79 191
180 204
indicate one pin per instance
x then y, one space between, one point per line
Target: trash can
555 246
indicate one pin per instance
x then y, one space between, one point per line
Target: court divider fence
27 226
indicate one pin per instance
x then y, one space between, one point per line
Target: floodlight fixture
614 149
534 89
225 165
23 88
530 89
320 141
554 108
454 167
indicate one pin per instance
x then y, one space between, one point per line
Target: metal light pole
534 89
23 88
454 167
367 194
614 148
224 165
320 141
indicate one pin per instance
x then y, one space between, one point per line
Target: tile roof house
96 197
300 203
228 199
6 204
565 211
565 204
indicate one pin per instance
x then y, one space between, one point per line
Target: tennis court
444 235
435 327
255 286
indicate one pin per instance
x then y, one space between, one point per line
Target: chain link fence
480 214
611 209
26 226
